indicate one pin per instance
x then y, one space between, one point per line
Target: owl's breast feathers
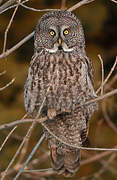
64 75
61 83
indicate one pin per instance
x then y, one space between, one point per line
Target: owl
60 77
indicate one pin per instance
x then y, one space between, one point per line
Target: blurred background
99 20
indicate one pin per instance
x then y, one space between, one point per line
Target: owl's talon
51 113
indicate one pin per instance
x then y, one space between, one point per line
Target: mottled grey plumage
60 62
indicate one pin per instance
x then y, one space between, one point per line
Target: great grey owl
61 78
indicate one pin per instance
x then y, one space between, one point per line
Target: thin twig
63 4
13 159
5 54
2 73
7 4
95 158
39 160
30 156
12 6
114 1
107 118
37 10
1 1
105 165
110 73
22 121
81 3
8 27
102 82
41 120
37 170
7 85
6 139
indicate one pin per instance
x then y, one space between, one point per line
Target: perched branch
41 120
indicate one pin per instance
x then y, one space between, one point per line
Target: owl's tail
64 160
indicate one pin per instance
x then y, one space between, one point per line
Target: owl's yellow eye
66 31
52 33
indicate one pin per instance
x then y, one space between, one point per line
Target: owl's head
59 31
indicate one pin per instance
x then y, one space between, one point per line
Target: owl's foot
51 113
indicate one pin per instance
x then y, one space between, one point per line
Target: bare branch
114 1
63 4
2 73
105 165
81 3
30 156
37 10
1 1
102 83
95 157
12 6
110 73
41 120
5 54
7 85
22 121
7 4
107 118
8 27
6 139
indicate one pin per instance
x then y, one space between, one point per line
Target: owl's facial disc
60 46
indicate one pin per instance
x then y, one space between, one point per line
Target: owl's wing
90 69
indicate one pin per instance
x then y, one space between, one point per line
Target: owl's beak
60 41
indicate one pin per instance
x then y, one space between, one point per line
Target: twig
110 73
2 73
36 10
114 1
8 27
21 145
41 120
7 137
102 83
107 118
1 1
5 54
22 121
95 158
82 163
63 4
112 82
7 4
81 3
12 6
105 165
7 85
30 156
38 161
11 162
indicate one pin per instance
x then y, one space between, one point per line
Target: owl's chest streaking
60 80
